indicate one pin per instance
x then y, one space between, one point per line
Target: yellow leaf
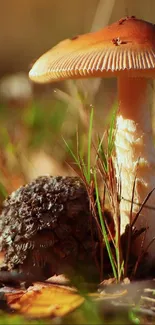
51 300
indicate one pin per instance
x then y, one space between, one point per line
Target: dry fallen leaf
47 300
13 298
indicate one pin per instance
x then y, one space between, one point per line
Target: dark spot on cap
122 20
117 41
74 38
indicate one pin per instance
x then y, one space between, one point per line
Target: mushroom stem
135 153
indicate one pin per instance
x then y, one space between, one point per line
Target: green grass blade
89 145
111 133
105 236
84 169
72 153
102 154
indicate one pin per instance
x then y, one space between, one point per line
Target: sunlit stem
135 155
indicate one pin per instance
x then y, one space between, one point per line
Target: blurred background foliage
36 118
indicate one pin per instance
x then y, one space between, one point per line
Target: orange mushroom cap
125 46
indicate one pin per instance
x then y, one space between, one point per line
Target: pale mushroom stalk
135 150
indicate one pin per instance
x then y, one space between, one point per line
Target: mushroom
125 50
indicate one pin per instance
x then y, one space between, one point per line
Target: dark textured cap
127 46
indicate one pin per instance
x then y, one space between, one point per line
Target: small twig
142 205
130 224
148 299
139 256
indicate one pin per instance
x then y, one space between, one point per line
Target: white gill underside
66 63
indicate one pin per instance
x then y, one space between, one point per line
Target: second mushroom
125 50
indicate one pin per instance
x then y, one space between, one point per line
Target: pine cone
46 228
